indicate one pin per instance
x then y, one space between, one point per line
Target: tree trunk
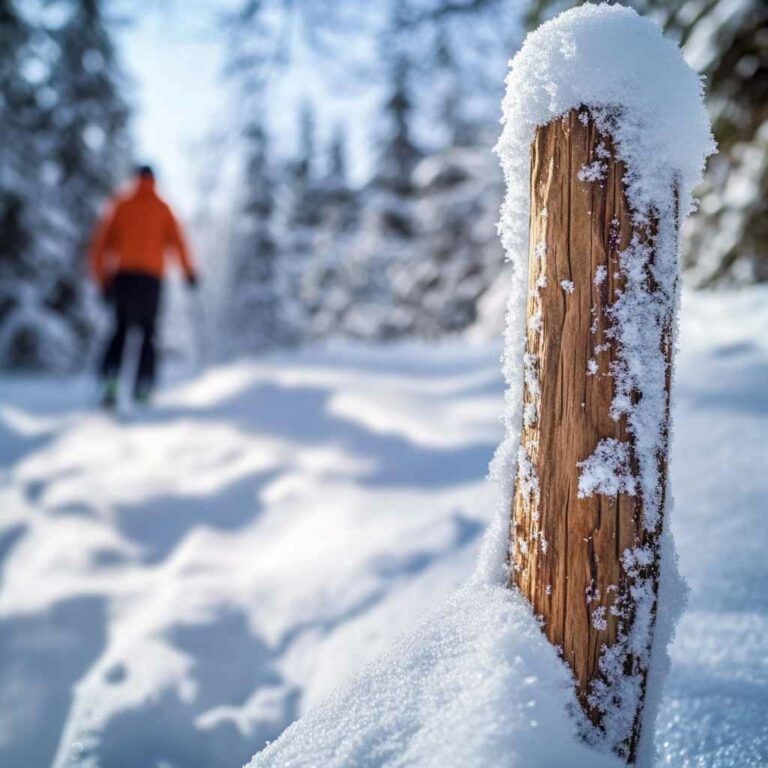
567 552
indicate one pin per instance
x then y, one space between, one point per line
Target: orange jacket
135 235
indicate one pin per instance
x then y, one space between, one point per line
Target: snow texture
607 471
475 684
180 585
619 70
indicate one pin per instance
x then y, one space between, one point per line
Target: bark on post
568 555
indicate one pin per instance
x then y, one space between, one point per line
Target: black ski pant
135 298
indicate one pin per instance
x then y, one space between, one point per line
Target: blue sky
174 53
174 59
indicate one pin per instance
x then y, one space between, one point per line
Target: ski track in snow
178 586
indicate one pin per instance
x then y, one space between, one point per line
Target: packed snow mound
475 684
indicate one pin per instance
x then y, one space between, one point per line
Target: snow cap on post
606 56
598 85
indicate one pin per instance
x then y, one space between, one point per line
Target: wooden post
568 553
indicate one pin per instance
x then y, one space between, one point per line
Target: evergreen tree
358 253
300 213
728 237
89 145
460 256
18 217
398 153
385 240
327 292
336 174
63 142
306 158
254 316
452 96
39 328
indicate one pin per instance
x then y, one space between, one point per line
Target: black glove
192 280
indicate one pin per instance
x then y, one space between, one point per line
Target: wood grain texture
566 551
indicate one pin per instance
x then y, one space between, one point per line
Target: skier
128 259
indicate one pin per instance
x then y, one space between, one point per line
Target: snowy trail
205 571
177 587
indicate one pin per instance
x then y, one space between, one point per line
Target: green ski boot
109 398
142 394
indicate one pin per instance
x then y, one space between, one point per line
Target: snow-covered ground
177 586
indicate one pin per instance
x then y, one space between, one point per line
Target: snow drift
477 683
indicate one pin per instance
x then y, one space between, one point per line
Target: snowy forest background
306 247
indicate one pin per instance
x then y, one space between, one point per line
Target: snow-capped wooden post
573 545
617 133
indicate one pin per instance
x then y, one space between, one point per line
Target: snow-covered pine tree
398 151
254 314
89 146
451 93
45 321
459 192
336 172
427 53
382 306
326 286
728 238
64 143
19 211
298 217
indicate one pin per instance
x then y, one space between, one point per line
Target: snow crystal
530 415
599 622
600 274
530 362
591 366
529 480
608 470
567 286
634 559
592 593
594 171
603 153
